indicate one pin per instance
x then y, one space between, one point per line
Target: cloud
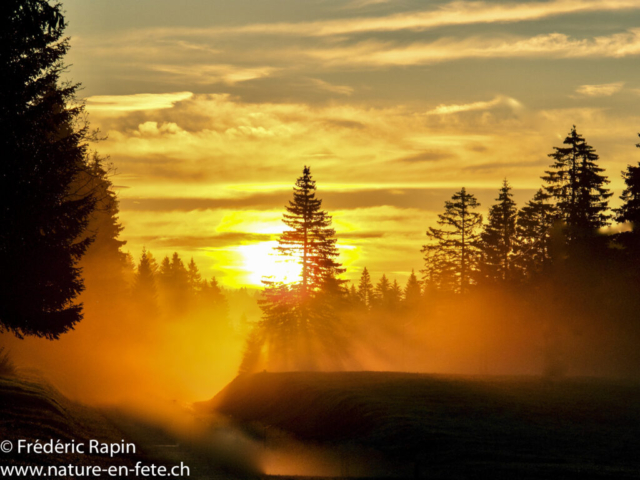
339 89
467 107
554 45
206 74
365 3
137 102
603 90
454 13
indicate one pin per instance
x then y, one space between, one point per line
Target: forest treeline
547 285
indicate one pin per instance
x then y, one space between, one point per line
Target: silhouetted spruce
215 299
412 291
145 291
173 283
453 253
576 184
630 209
498 237
365 289
310 238
105 266
42 140
382 293
533 234
300 322
194 279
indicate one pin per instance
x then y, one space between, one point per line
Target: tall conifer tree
630 209
498 237
310 237
453 251
43 144
533 234
576 184
365 288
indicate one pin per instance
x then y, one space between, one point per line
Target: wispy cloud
329 87
467 107
209 74
137 102
603 90
554 45
454 13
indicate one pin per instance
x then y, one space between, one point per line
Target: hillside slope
580 428
32 409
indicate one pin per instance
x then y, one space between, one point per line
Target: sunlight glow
262 261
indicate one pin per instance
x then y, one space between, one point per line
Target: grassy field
449 427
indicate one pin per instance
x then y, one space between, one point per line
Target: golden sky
212 108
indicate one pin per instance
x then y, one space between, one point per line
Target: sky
211 110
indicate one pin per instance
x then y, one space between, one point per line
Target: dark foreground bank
448 427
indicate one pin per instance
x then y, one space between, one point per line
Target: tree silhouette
42 139
498 237
174 283
194 279
412 291
310 238
533 234
144 291
453 251
300 321
365 289
578 187
104 265
215 299
630 209
382 293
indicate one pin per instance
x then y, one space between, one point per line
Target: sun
261 260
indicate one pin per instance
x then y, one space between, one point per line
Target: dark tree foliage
452 256
576 184
174 284
412 291
310 238
299 321
194 279
498 237
365 289
145 291
382 293
533 233
215 299
104 264
42 140
630 209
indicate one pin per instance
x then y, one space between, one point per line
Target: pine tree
365 289
395 294
174 283
300 321
43 143
630 209
533 234
105 266
194 279
145 292
498 237
453 252
215 298
412 291
578 187
310 237
381 293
